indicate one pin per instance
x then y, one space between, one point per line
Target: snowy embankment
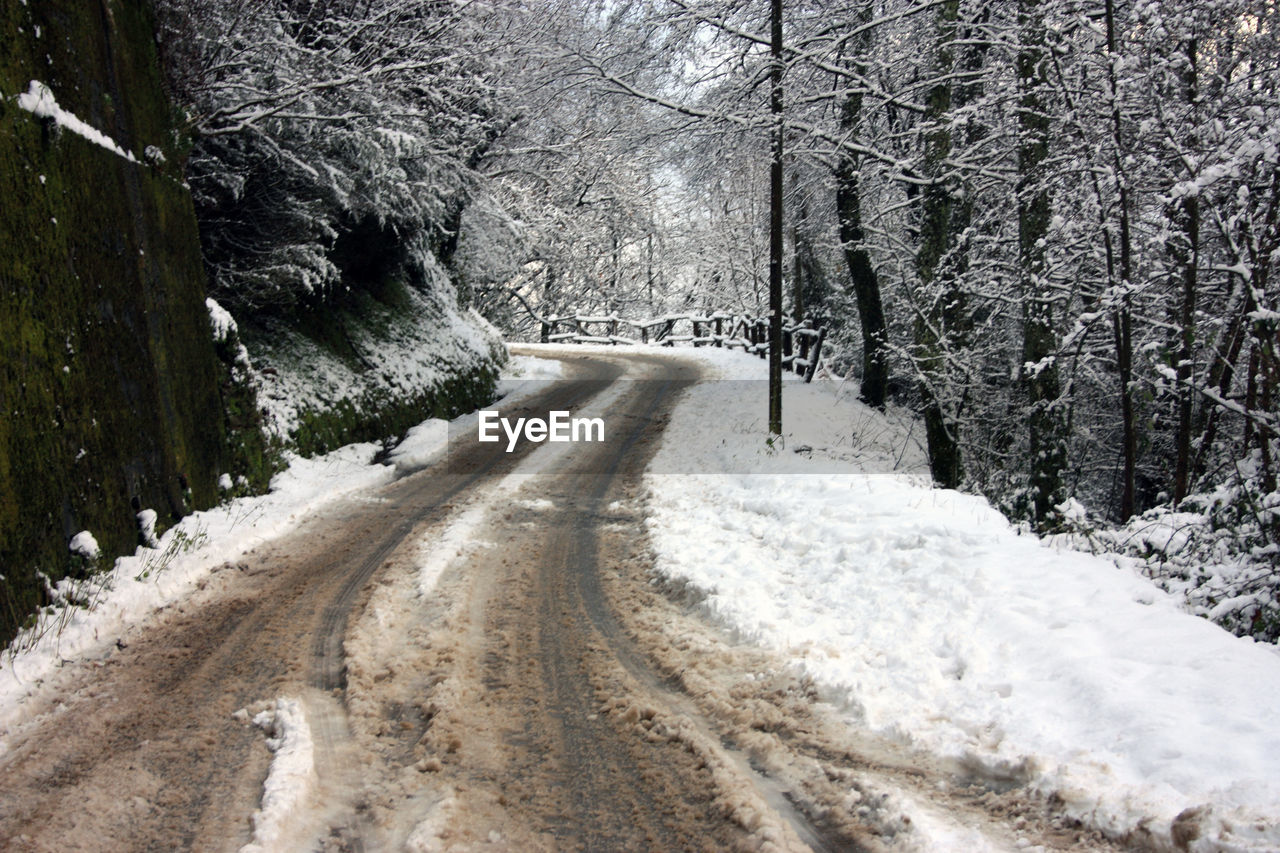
93 614
393 356
928 619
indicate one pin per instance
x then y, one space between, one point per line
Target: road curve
543 691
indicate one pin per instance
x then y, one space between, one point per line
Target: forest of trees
1048 226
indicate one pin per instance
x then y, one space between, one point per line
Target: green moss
112 395
382 417
371 311
109 385
253 457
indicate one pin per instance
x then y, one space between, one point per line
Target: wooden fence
801 342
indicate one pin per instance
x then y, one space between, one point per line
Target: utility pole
775 227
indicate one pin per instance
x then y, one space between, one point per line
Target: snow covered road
674 639
432 662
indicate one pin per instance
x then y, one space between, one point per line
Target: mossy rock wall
109 384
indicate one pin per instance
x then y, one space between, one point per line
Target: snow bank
926 616
524 368
1212 551
290 780
421 445
85 545
96 612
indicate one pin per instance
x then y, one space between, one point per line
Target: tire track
542 726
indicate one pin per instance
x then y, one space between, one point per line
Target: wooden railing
801 342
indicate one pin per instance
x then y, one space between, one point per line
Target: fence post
546 332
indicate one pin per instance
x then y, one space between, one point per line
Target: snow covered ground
927 618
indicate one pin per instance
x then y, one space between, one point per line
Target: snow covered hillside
928 619
384 355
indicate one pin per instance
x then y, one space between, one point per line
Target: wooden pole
775 226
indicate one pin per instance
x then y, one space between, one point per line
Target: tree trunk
1121 320
1222 368
650 276
1121 325
866 286
862 275
1187 216
1047 444
941 303
797 276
